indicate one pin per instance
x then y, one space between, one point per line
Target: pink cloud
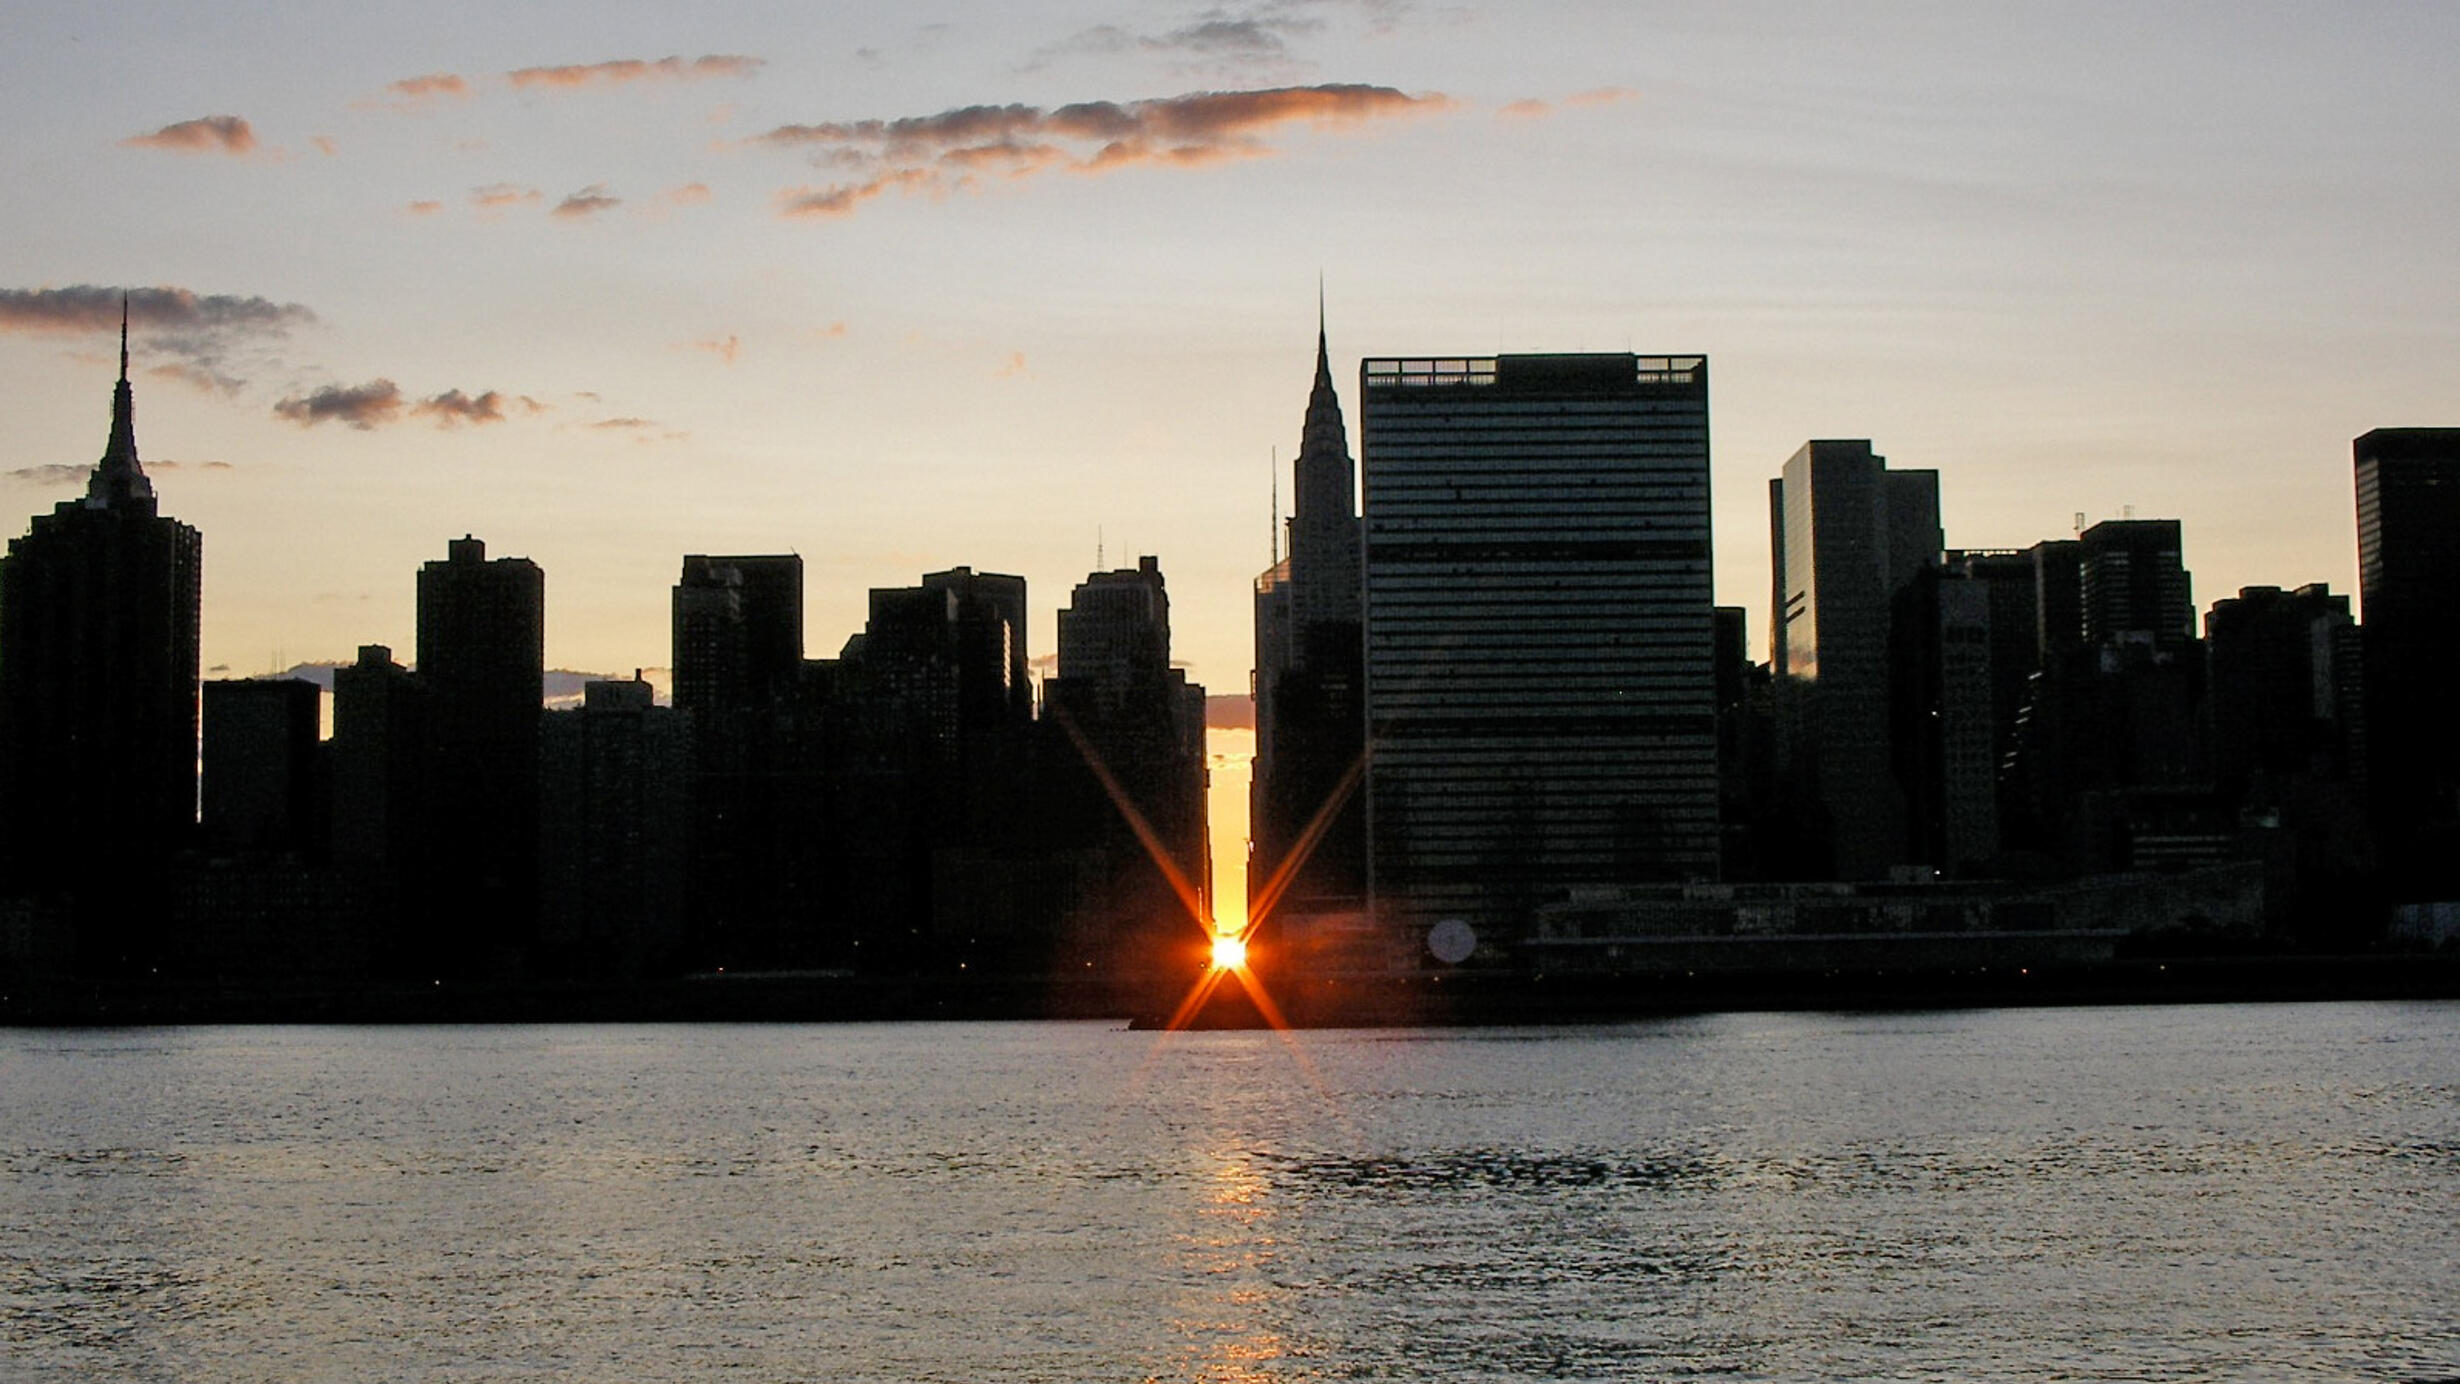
939 152
210 134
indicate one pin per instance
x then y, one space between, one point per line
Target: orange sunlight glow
1229 951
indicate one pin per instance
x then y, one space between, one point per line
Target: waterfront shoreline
1455 999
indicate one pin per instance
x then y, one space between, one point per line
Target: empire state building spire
118 480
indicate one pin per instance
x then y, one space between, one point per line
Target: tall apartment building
1540 685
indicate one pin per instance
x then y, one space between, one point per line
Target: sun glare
1229 952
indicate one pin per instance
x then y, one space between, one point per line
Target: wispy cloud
424 208
1012 367
589 201
1219 40
1525 110
210 134
614 73
55 473
943 152
638 429
725 348
690 194
432 86
323 144
210 337
1601 96
497 196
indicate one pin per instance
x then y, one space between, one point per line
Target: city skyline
2072 263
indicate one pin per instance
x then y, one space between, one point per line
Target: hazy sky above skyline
901 289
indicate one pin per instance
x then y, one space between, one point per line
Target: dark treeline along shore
1513 762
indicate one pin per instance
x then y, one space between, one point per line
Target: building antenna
1097 549
123 338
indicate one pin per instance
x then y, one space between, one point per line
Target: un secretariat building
1539 665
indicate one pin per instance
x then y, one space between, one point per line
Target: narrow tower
98 710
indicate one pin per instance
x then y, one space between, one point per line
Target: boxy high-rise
1540 673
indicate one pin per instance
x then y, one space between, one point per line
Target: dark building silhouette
2408 522
1309 679
482 655
2110 767
2132 585
2287 699
738 632
1540 665
262 789
1849 537
1117 708
381 762
760 804
614 830
98 704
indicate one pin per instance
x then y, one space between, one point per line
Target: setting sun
1229 952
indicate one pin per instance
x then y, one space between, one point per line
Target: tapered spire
117 478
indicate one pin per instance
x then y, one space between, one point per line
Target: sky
1017 286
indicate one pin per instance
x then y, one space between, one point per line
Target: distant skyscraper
2133 584
98 695
1849 535
482 655
738 631
2408 513
1540 682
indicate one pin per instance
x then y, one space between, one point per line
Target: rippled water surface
2188 1193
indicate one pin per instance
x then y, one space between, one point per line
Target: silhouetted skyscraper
1848 535
738 631
98 698
2408 513
482 655
1540 682
1309 682
2133 584
1142 722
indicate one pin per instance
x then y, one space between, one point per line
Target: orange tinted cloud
623 70
724 348
1601 96
939 151
687 195
1526 110
453 408
210 134
434 84
495 196
424 208
844 198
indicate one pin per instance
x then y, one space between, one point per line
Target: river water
2157 1193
